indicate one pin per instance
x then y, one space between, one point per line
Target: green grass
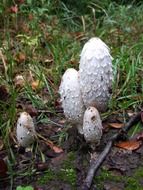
51 35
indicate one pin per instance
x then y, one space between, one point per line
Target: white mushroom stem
92 126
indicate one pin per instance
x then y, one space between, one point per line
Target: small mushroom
71 99
19 81
92 126
25 129
95 74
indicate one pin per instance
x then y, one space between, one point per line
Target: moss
48 176
131 183
66 174
105 175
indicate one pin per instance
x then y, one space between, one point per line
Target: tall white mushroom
95 74
25 129
92 126
71 99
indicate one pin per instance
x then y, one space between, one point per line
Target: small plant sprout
92 126
71 98
25 130
95 74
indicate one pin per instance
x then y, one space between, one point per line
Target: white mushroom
92 126
19 81
95 74
71 98
25 129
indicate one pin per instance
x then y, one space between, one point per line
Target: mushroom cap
71 99
95 74
92 125
25 129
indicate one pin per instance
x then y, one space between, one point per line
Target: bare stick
96 163
4 62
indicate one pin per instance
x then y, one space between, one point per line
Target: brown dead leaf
42 166
3 93
31 110
3 168
55 148
129 145
13 9
49 143
116 125
35 84
21 57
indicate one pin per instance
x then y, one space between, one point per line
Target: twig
4 62
95 164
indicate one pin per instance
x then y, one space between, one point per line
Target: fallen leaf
116 125
129 145
3 168
3 93
49 143
42 166
57 149
35 84
14 9
21 57
31 110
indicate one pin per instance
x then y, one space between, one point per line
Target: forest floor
38 43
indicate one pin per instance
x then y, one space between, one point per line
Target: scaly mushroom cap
92 126
95 74
25 129
71 97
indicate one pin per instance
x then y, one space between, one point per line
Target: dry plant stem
4 62
96 163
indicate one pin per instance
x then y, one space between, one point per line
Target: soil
44 169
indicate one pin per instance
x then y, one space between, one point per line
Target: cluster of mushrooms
85 93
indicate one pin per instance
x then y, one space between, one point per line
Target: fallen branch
96 163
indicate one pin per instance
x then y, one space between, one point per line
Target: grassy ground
40 40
